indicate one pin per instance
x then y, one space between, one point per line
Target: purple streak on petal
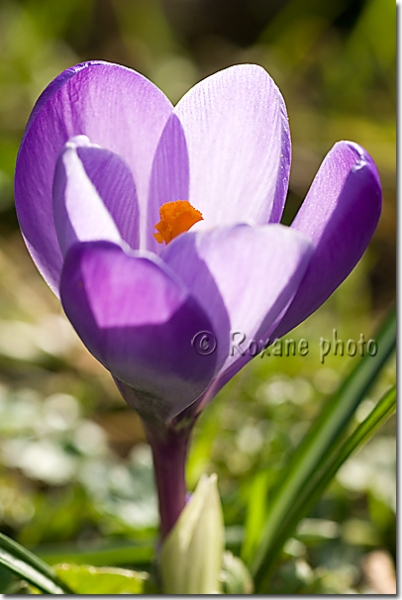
255 270
80 214
117 109
339 214
238 143
170 176
138 319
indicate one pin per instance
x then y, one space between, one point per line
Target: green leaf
7 580
380 413
323 476
132 552
324 437
86 579
256 514
30 568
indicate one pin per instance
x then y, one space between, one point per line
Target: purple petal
255 271
94 196
339 214
170 176
117 109
53 87
138 320
237 135
80 213
114 183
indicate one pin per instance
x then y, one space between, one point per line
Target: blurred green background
75 472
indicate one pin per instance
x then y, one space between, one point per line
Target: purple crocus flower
102 153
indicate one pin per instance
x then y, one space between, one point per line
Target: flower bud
191 557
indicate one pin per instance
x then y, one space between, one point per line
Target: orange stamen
176 217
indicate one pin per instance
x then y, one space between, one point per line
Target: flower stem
169 451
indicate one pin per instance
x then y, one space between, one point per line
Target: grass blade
30 568
316 486
323 439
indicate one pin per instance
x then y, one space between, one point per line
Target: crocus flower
158 227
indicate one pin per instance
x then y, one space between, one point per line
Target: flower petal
138 320
339 214
117 109
237 134
255 271
170 176
94 196
53 87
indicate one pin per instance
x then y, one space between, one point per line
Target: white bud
191 557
